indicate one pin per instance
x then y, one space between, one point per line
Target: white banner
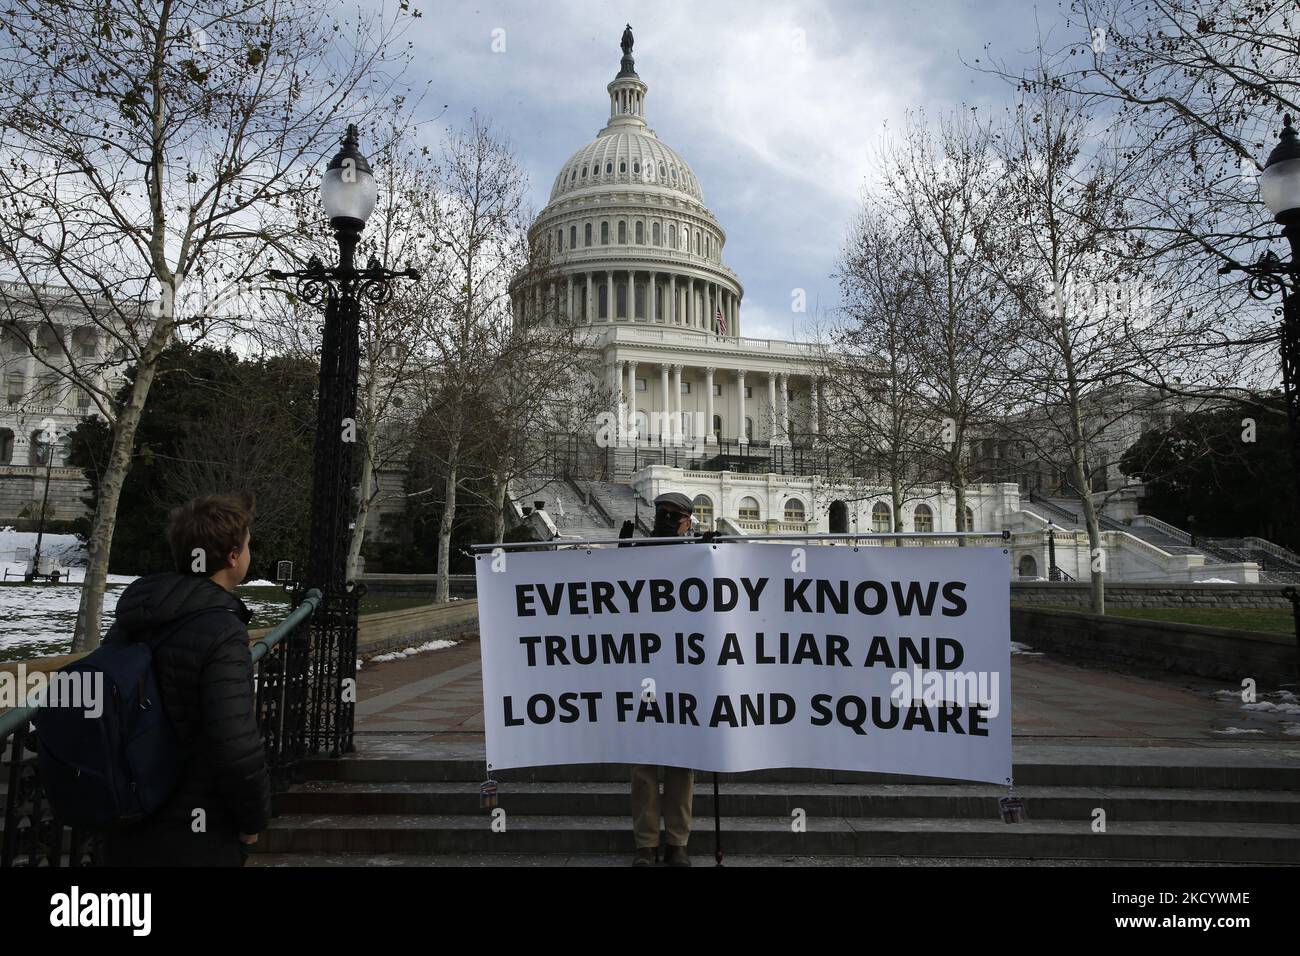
741 656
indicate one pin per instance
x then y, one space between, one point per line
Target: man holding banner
859 657
672 520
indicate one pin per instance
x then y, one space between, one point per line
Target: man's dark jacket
205 677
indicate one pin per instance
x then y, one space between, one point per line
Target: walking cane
717 823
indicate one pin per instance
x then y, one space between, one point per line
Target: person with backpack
203 671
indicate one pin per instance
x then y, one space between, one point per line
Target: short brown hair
215 524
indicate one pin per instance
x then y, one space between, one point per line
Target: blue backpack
117 768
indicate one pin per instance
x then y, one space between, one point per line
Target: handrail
13 719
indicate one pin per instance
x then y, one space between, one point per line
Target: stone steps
773 799
879 836
1162 803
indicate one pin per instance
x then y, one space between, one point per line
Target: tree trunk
445 526
363 513
86 634
1096 556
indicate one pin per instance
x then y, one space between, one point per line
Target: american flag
722 323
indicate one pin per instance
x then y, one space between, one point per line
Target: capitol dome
627 235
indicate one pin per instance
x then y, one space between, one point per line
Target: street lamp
1279 188
348 195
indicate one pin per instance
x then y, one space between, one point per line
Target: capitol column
616 373
708 414
631 295
672 298
665 407
773 433
784 386
740 399
677 404
631 401
609 294
708 306
651 315
568 288
586 303
734 325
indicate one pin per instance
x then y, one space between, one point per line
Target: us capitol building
733 422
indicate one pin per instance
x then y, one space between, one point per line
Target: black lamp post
1053 573
348 193
1279 188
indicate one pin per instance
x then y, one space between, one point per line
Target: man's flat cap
677 500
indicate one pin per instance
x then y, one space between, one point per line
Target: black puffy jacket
205 677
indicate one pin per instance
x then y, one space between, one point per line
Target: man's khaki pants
679 792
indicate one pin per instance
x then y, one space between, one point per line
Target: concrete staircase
419 803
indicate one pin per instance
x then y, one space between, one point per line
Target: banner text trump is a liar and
738 657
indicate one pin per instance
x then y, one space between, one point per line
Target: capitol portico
638 263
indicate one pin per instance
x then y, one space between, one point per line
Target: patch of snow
410 651
1024 650
1270 706
1214 581
1292 730
1238 730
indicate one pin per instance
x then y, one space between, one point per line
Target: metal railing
33 836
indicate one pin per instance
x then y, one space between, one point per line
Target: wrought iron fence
287 672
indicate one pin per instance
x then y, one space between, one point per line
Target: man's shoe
676 856
646 856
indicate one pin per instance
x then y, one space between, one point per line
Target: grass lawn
1267 620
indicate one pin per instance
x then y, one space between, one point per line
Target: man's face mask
666 523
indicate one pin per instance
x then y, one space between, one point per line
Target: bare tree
938 187
151 148
874 402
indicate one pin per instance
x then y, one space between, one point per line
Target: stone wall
1075 594
22 486
1215 652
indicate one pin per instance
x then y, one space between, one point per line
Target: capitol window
672 236
622 165
636 167
609 168
686 388
654 232
573 237
717 389
586 234
794 511
622 232
604 233
880 517
640 385
923 518
748 509
584 172
640 233
559 239
650 170
574 175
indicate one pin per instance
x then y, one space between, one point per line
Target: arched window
881 519
638 298
573 237
672 236
922 518
620 298
636 166
586 234
672 174
640 233
697 242
6 446
559 240
622 165
839 517
609 169
654 234
602 306
747 510
970 520
704 512
794 511
584 172
573 177
622 232
604 233
1028 567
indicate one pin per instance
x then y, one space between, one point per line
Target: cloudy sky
778 107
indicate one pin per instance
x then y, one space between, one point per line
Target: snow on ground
399 655
1238 730
1214 581
1024 650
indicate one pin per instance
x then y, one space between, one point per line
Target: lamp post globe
1279 183
348 194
